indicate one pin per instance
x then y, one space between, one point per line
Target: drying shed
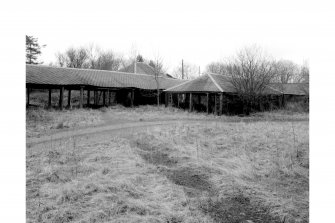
213 93
128 88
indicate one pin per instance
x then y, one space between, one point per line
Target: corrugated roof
292 88
142 68
37 74
211 82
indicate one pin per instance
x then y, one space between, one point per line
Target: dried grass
200 172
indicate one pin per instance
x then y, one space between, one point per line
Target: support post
207 103
69 99
221 103
215 107
88 97
28 96
166 99
190 108
61 97
132 98
109 97
104 97
95 97
49 99
178 96
170 99
81 97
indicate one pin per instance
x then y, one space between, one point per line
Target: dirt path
122 127
111 129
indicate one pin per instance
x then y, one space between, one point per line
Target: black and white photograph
167 112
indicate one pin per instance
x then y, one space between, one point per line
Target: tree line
279 71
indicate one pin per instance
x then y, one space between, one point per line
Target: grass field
231 170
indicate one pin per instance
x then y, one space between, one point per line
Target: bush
300 106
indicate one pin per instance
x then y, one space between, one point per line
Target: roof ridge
216 84
188 81
85 69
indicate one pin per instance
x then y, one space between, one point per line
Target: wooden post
215 107
69 99
81 97
132 98
61 97
207 105
221 103
49 99
178 96
104 97
166 99
28 96
109 97
88 97
170 99
95 97
190 108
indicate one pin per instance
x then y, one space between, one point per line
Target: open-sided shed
213 93
128 86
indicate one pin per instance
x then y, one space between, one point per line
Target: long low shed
47 77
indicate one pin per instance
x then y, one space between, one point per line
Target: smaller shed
214 93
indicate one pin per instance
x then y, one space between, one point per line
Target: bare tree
251 71
286 71
217 68
93 52
190 71
75 58
61 59
304 78
304 73
92 57
158 71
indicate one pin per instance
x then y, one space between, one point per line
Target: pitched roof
142 68
46 75
292 88
210 82
201 84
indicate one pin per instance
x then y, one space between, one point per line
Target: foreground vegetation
239 169
41 121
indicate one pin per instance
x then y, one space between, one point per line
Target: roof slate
37 74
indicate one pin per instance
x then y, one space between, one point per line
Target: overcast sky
197 33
